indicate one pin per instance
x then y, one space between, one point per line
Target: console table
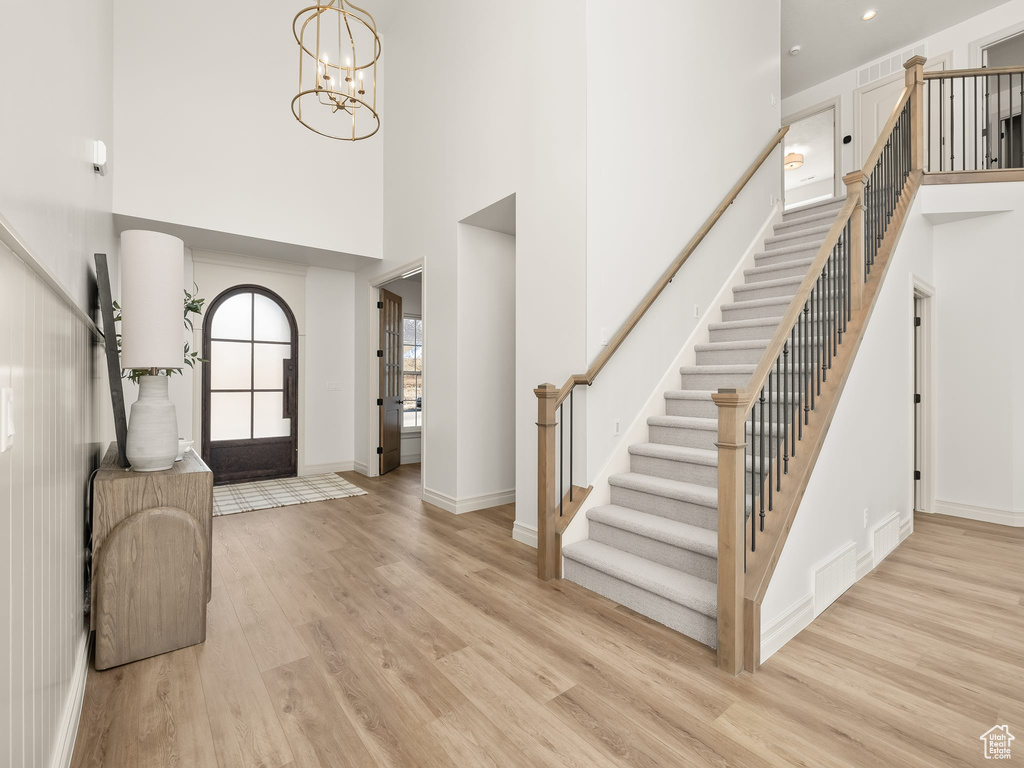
151 543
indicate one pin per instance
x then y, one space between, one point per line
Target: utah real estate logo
997 742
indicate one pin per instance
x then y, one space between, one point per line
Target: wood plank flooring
380 631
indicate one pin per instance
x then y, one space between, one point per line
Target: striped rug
267 494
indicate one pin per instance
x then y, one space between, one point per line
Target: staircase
654 548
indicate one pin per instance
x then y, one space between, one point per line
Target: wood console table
152 564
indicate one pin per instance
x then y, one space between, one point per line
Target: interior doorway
400 371
811 150
250 386
923 398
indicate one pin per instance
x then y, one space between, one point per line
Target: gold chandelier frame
337 86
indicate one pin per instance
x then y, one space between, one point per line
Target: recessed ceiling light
869 15
794 51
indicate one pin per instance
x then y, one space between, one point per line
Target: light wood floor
377 631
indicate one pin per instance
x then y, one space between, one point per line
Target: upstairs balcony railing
973 120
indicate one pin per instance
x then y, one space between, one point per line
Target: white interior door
874 103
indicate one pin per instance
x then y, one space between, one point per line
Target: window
412 372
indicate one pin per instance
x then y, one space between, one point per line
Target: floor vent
833 578
885 537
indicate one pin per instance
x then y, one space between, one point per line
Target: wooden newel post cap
915 61
854 177
546 390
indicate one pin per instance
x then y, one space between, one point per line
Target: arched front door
250 386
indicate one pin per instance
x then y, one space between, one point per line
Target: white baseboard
468 504
65 744
360 467
906 527
787 626
525 534
981 514
412 459
326 469
865 563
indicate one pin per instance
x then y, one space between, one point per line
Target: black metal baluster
805 365
942 117
826 341
977 126
1009 151
987 134
753 478
998 121
849 275
760 463
777 420
963 122
793 386
571 411
561 458
771 440
928 143
952 124
1022 116
785 405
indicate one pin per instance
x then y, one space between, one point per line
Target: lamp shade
152 273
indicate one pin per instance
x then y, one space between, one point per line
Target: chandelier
338 52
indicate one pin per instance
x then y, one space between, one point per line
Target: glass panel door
249 386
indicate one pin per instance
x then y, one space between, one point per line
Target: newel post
915 79
732 541
855 186
548 555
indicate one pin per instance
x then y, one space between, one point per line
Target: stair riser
684 471
663 506
793 238
704 439
744 356
772 292
713 381
693 563
700 409
797 270
740 312
815 220
753 333
802 215
769 259
702 628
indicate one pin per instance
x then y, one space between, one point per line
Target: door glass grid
412 371
250 342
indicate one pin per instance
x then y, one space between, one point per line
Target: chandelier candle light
338 52
152 272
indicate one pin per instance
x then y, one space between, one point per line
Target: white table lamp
152 273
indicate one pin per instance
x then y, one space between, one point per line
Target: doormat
268 494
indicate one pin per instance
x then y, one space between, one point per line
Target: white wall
323 305
205 136
662 152
330 352
979 278
959 240
486 445
956 40
480 151
60 211
866 462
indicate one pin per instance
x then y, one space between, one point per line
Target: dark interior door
390 355
250 386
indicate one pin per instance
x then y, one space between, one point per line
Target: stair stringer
761 565
637 432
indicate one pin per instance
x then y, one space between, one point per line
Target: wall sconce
99 157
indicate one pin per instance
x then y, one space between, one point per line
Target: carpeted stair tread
800 212
811 219
780 266
670 489
745 344
682 588
675 453
690 537
756 322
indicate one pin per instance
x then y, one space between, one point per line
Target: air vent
888 65
885 536
834 577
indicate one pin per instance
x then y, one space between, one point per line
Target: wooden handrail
942 74
648 301
743 574
796 306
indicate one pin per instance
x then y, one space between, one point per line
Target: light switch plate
6 419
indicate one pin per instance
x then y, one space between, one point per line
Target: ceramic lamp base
152 427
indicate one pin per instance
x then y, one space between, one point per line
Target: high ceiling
833 38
